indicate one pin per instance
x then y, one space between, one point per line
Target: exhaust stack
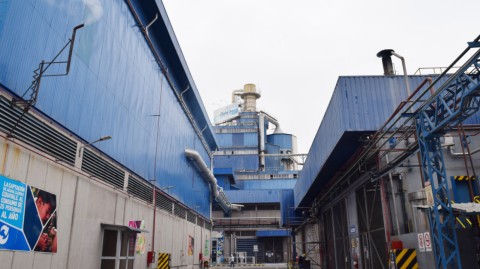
386 62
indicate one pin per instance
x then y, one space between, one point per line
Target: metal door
371 226
274 248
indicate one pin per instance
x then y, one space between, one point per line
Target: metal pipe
217 191
460 153
394 200
233 94
150 24
404 74
261 128
278 130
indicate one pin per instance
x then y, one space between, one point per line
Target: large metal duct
278 130
217 191
261 129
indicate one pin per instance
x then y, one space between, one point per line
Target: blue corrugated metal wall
246 245
357 104
114 86
286 207
272 149
237 140
254 196
237 162
283 140
268 233
224 140
266 184
251 139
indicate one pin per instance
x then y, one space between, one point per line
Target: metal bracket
150 24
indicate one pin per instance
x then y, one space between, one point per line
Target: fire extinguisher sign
421 242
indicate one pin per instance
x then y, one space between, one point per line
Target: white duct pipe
217 191
261 128
278 130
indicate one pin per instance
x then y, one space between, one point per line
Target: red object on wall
397 245
200 256
150 257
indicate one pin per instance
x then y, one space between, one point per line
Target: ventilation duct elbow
217 191
278 130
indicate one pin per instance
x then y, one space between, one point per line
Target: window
118 249
295 175
268 207
249 208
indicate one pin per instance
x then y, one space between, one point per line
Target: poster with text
206 247
28 217
139 224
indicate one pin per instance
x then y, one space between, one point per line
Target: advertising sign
421 242
206 247
225 113
28 217
428 241
191 245
139 224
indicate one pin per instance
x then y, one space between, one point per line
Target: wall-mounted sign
255 248
225 113
191 245
139 224
353 230
28 217
206 248
421 242
428 241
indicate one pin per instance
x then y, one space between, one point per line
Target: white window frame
117 256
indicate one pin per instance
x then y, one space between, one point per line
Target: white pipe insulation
217 191
278 130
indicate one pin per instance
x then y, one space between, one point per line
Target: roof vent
387 61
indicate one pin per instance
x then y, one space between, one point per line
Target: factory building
258 169
390 180
106 153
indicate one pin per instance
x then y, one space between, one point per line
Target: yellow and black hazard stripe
463 177
163 261
406 258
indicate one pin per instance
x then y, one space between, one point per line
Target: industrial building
106 153
258 169
390 179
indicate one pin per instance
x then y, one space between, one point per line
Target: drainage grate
103 170
37 133
164 203
179 211
208 225
138 189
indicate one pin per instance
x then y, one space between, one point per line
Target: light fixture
196 207
169 187
103 138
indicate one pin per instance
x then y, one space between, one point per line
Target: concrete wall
83 204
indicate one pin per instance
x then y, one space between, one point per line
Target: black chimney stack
387 61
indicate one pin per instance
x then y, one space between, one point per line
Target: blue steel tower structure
454 102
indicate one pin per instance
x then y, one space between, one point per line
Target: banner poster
139 224
28 217
191 245
206 248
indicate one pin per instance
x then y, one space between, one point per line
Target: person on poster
48 238
46 205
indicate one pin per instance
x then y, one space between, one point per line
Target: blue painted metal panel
238 139
272 149
250 139
254 196
286 208
273 164
236 162
224 140
283 140
246 245
361 103
268 184
114 86
225 172
269 233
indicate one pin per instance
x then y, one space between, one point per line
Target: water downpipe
216 191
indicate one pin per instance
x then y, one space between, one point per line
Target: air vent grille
179 211
138 189
102 170
199 221
37 133
208 225
191 217
164 203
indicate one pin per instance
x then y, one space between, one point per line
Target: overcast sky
294 51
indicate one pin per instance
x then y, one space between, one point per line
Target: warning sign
428 241
421 242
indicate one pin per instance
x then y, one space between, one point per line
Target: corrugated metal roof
254 196
358 103
266 233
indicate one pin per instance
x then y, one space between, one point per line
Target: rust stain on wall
16 157
4 157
